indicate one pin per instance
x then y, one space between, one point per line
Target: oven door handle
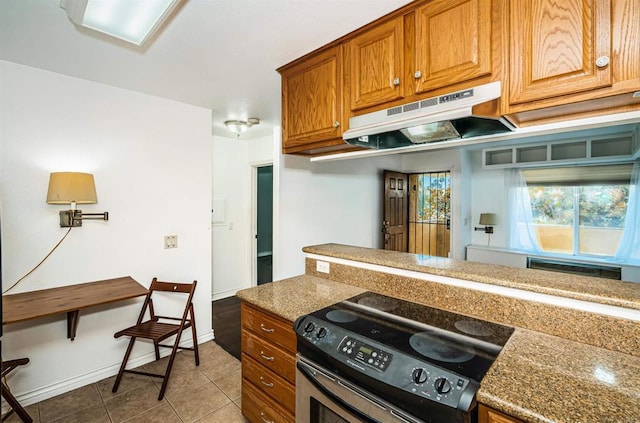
332 381
360 394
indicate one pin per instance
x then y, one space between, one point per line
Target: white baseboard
40 394
225 294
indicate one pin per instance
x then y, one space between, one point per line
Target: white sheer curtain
629 248
522 235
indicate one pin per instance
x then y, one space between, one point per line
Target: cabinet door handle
602 61
266 357
266 329
396 81
264 419
417 74
267 384
336 124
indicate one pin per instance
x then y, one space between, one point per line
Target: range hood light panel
431 132
422 129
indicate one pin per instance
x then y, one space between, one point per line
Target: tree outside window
586 219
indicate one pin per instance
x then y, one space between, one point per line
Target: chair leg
194 337
155 346
123 365
165 380
15 405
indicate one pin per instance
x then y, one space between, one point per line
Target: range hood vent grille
430 102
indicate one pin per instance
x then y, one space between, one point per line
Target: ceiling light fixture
133 21
240 126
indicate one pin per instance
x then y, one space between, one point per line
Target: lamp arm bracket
74 218
93 216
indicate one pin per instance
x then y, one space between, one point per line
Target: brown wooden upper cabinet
557 60
453 42
559 48
444 42
375 65
571 59
312 101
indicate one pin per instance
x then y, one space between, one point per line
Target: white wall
151 159
488 196
233 241
322 202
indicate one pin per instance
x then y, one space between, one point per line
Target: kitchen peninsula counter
294 297
597 290
536 378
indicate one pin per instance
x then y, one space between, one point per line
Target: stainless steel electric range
374 358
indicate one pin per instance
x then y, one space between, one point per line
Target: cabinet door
453 42
375 61
312 99
558 48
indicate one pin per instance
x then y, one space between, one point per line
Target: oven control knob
442 385
322 332
419 375
309 327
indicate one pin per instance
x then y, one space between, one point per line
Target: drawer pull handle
267 384
263 419
266 329
265 356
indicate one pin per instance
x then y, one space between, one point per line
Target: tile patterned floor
204 394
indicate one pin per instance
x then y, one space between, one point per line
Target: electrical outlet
322 266
171 241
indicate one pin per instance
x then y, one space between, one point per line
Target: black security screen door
430 213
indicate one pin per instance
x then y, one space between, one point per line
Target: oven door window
323 414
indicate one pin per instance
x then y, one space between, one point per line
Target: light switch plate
171 241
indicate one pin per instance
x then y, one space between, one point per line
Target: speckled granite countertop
536 378
294 297
543 378
598 290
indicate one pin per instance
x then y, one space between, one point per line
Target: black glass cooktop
461 344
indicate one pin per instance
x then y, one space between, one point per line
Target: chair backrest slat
185 288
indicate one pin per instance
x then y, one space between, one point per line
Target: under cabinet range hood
442 118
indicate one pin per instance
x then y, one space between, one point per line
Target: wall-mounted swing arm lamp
73 188
489 220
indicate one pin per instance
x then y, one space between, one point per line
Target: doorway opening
417 212
430 213
264 224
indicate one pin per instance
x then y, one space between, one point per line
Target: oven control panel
365 353
373 360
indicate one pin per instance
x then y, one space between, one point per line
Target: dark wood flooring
226 324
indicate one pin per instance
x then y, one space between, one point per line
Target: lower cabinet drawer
269 383
269 328
273 358
489 415
259 408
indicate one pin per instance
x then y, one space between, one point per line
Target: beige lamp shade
69 187
488 219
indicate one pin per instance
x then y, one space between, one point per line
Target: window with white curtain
584 211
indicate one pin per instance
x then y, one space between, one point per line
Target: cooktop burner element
438 347
425 359
473 327
379 302
341 316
